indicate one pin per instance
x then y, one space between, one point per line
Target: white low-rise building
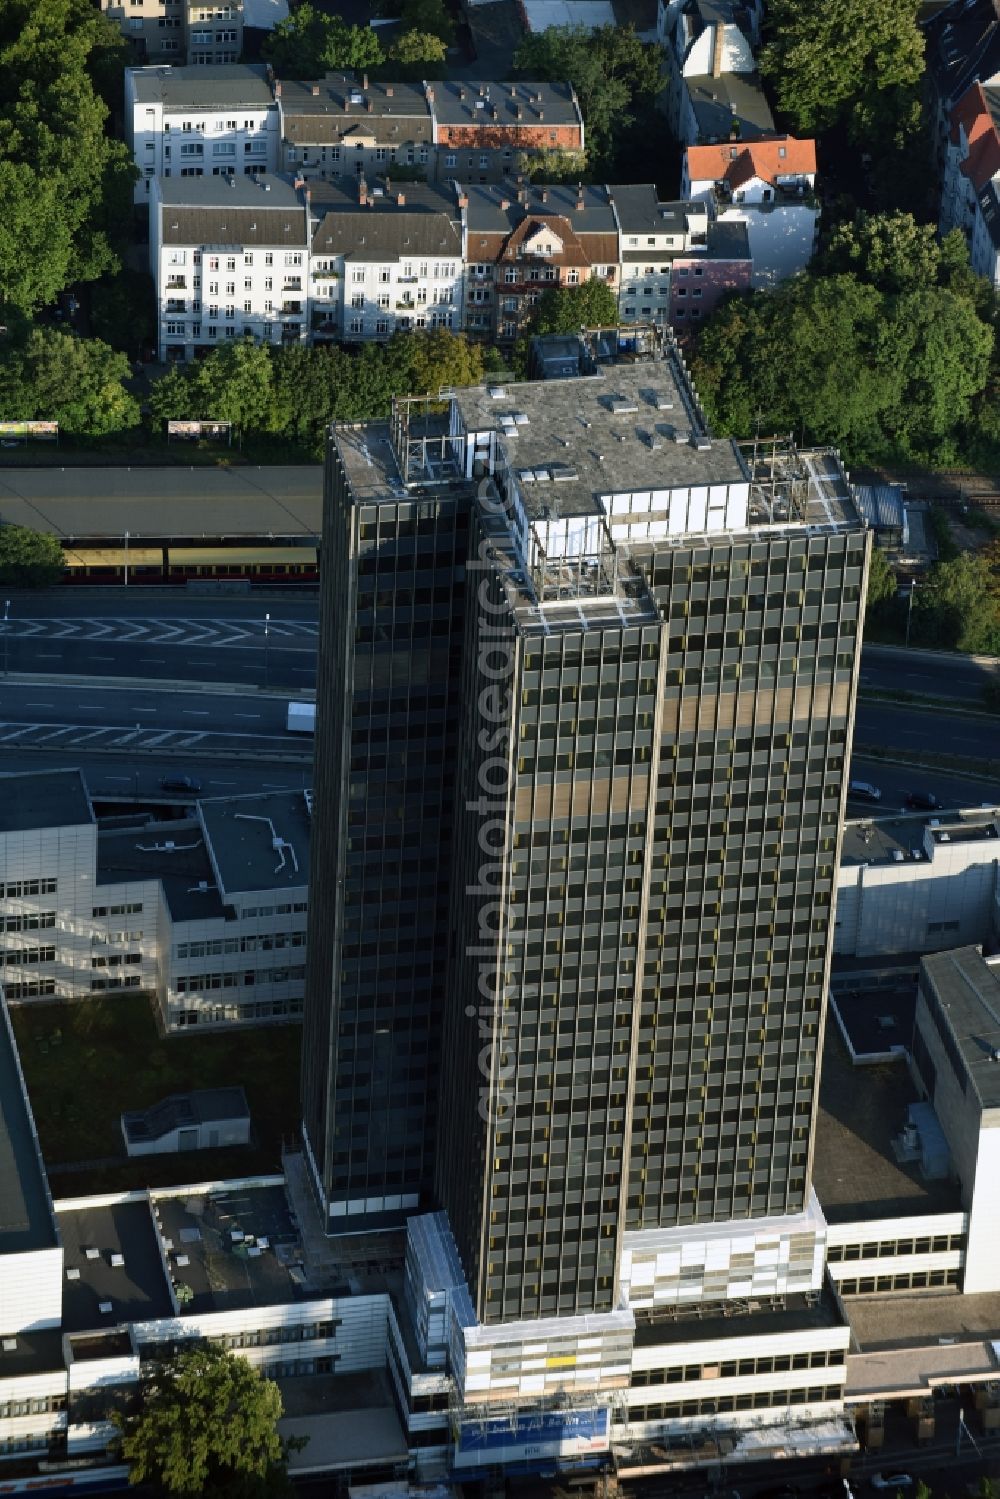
229 258
768 185
915 883
208 913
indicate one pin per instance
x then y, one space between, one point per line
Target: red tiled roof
970 111
761 159
983 161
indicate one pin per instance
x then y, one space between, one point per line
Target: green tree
309 43
553 165
428 16
566 309
415 49
888 250
234 383
206 1423
440 360
55 148
122 311
958 606
77 382
29 559
848 59
612 71
881 579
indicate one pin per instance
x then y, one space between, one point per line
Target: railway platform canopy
164 505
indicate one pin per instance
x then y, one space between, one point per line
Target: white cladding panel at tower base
551 1436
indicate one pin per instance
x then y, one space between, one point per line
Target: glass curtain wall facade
391 626
636 991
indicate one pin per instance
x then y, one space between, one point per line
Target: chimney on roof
462 201
277 88
400 199
369 105
518 112
461 94
300 181
347 105
543 196
504 204
482 91
494 112
541 114
315 90
429 92
718 50
388 91
579 199
362 190
538 98
364 80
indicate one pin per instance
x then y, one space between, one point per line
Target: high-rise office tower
620 849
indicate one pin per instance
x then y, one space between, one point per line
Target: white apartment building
970 180
713 89
202 32
200 122
768 185
384 258
229 257
207 913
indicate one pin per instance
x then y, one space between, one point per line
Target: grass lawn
87 1062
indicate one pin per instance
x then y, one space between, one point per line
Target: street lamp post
909 610
267 648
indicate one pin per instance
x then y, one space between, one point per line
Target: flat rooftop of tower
241 833
234 1247
626 428
43 799
855 1170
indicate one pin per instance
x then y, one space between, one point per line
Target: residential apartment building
350 125
481 129
676 261
970 186
768 185
200 121
962 47
344 124
713 90
198 32
521 240
194 911
229 257
384 258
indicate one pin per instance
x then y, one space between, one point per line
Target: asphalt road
897 726
86 717
110 777
886 669
266 641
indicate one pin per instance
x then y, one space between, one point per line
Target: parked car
922 801
864 791
180 783
893 1481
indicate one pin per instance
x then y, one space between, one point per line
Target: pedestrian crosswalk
132 736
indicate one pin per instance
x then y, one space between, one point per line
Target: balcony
291 309
292 283
176 283
175 305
